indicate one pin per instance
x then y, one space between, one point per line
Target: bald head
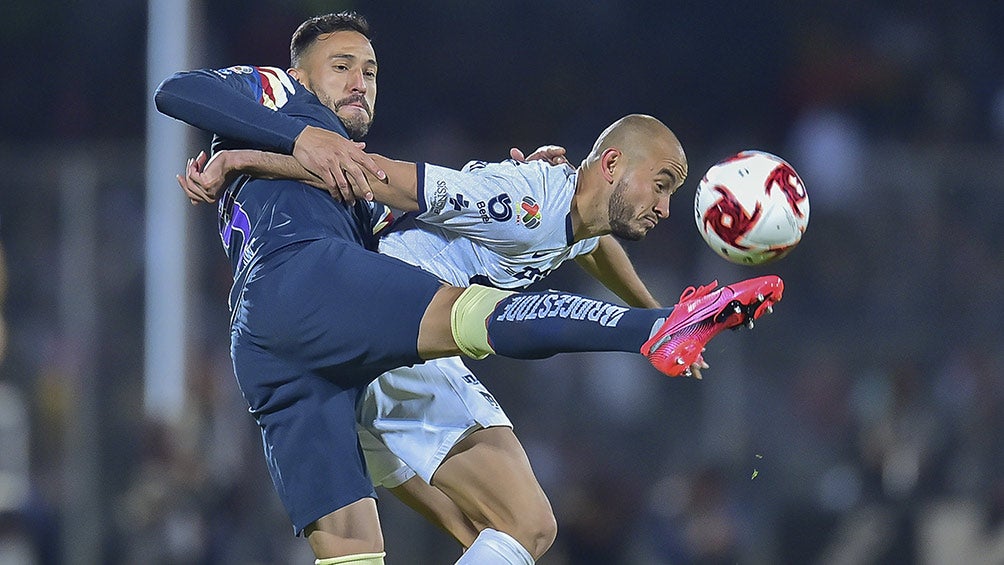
639 135
626 182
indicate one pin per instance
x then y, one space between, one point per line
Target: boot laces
695 293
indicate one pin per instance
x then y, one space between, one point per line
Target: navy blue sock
535 325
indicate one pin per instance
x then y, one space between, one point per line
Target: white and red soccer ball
751 208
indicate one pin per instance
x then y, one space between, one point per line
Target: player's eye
370 74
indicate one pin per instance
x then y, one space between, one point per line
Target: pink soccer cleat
702 313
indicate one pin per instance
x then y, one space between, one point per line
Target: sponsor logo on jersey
491 399
529 212
498 209
459 202
566 306
532 274
439 197
235 70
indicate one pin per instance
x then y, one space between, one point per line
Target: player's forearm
211 103
266 165
610 265
400 188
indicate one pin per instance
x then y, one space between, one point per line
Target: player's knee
533 525
467 319
353 530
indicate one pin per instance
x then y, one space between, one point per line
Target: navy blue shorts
314 324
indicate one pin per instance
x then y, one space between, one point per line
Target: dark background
861 423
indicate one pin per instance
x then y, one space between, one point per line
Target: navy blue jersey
264 108
316 313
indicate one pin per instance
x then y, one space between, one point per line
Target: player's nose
357 83
662 208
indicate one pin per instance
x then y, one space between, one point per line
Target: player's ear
296 73
609 160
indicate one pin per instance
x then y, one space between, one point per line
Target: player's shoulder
535 174
508 165
274 85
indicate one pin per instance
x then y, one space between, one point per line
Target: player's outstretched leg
704 312
486 321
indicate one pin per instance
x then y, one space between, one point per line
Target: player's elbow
173 92
166 94
545 531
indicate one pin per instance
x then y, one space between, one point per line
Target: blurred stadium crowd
861 423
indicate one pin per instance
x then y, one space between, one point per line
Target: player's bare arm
610 265
203 180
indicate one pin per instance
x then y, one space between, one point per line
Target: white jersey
503 224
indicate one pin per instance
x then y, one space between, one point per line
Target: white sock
493 547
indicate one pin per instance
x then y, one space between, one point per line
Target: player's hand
553 154
204 178
340 163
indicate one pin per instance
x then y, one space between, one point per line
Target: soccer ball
751 208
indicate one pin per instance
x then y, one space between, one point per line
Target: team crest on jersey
236 69
529 214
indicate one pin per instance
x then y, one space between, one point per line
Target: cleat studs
738 309
759 297
749 323
680 361
770 309
688 373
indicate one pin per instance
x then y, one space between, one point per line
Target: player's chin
630 233
357 123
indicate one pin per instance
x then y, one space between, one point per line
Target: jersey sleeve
585 246
237 103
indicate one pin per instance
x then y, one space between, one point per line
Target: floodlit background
861 423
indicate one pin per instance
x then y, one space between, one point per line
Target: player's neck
590 208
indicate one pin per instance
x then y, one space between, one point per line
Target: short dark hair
309 30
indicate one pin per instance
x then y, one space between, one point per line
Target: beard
357 125
621 215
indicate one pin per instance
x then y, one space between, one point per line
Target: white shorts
409 418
